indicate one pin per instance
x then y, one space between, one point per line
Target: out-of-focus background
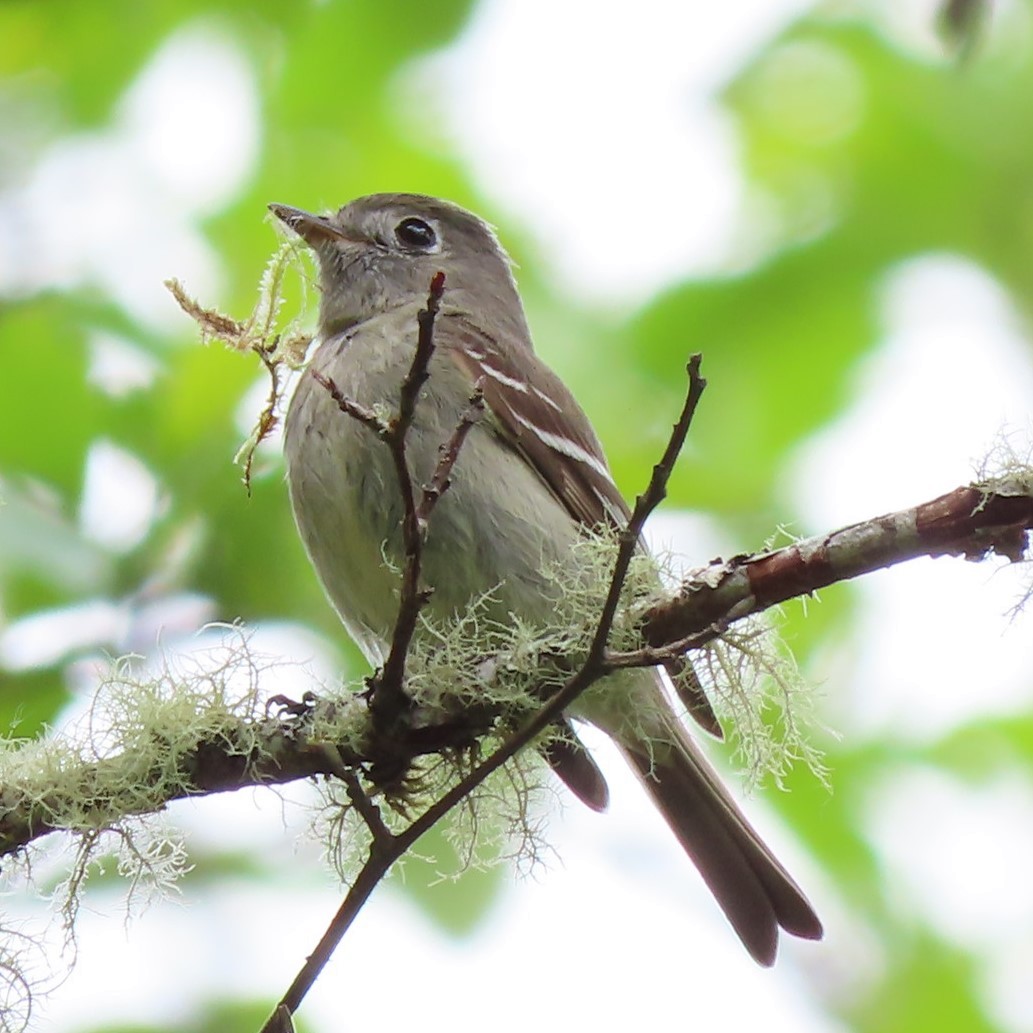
820 198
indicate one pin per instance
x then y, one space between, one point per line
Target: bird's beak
313 229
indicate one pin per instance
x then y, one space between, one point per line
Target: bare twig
447 456
377 865
654 494
420 368
370 812
367 417
267 418
389 702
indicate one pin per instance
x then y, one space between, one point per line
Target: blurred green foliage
864 153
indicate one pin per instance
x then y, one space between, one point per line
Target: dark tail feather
687 685
755 892
566 755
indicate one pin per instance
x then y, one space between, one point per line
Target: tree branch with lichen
250 747
974 521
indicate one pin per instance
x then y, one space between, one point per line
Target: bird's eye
416 233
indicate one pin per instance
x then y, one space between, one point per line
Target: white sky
610 147
629 182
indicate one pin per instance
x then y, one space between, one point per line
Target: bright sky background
628 184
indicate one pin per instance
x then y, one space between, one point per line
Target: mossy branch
73 790
993 517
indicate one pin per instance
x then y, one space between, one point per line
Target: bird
530 482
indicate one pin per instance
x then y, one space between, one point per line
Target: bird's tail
753 889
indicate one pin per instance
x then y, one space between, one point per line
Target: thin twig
367 417
377 865
447 456
267 418
654 656
654 494
389 702
420 368
369 811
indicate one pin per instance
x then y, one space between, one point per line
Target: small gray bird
530 479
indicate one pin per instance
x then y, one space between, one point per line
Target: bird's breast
492 536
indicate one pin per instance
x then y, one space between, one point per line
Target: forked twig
389 701
381 835
448 454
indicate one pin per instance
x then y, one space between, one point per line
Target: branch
390 705
367 417
389 702
654 494
447 456
973 521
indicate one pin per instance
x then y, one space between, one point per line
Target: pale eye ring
413 232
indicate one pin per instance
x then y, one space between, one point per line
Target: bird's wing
536 414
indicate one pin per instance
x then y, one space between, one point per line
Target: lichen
281 346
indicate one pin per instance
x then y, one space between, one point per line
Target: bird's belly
338 529
493 536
